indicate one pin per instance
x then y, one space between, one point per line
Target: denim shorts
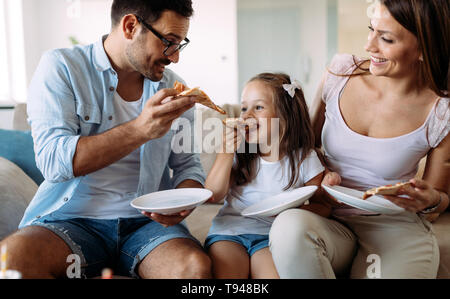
119 244
252 243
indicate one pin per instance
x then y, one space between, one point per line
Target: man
101 117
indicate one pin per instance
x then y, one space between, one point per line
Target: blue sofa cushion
17 147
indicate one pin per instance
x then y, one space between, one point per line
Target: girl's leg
262 266
230 260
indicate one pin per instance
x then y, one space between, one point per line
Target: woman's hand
331 179
420 197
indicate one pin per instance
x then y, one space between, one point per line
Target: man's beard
135 59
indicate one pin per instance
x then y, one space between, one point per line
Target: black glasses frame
170 49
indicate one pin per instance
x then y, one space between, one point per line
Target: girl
238 246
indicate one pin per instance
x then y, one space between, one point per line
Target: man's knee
179 258
35 252
196 265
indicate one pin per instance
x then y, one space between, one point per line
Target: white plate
374 204
274 205
172 201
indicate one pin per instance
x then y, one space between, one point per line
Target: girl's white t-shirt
364 162
270 180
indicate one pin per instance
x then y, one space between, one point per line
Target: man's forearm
97 152
189 184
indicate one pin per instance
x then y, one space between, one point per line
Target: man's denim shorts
252 243
119 244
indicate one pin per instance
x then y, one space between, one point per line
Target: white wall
285 35
314 42
4 65
210 61
353 26
15 50
49 24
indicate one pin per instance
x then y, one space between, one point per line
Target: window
4 67
12 53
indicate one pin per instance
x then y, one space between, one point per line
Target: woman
377 119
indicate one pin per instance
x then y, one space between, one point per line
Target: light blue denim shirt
70 96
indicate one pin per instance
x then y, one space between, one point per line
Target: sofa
18 184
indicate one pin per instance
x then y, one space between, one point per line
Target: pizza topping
385 190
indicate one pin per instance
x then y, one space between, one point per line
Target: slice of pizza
203 97
179 87
240 123
234 123
385 190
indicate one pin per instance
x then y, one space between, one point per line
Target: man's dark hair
149 10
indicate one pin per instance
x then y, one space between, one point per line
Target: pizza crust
234 123
203 98
385 190
239 123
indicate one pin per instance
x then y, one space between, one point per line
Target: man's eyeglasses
171 47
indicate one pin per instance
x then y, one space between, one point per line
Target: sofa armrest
20 119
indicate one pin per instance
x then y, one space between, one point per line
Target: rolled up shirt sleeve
54 122
187 167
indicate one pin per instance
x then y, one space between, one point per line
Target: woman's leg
394 247
230 260
262 266
307 246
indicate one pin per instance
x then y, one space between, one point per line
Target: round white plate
374 204
274 205
172 201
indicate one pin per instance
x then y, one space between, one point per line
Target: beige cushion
201 219
20 121
17 190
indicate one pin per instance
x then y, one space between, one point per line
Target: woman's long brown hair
429 21
296 132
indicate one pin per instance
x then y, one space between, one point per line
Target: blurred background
231 41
